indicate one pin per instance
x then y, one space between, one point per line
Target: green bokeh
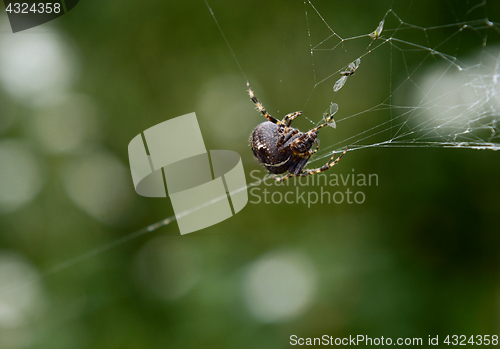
419 257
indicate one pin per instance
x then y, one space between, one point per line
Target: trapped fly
351 68
329 113
376 33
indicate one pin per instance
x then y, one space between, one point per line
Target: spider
281 148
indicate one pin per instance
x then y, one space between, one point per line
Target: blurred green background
419 257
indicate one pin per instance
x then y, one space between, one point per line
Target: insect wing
332 123
380 27
340 82
376 33
357 63
329 113
334 107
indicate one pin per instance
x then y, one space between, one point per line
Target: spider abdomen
264 144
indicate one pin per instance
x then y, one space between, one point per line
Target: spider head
302 145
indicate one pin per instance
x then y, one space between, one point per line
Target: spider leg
317 147
292 136
260 106
325 167
287 138
327 122
305 173
283 178
287 120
